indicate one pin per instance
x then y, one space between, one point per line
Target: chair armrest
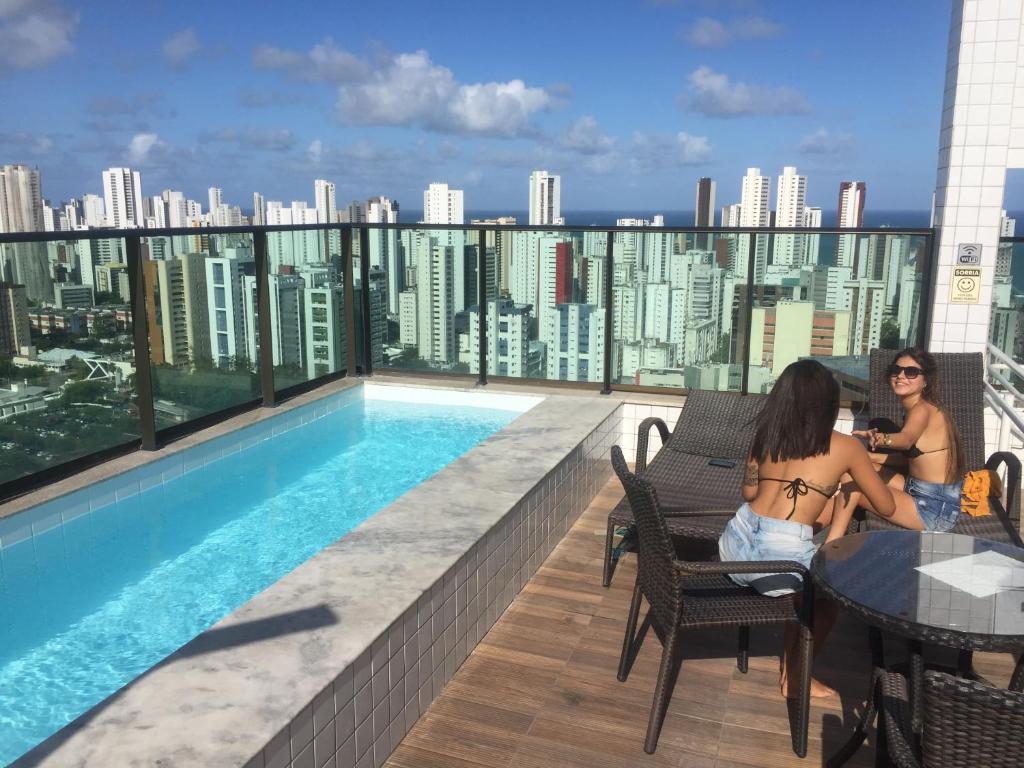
642 439
1012 480
668 511
740 566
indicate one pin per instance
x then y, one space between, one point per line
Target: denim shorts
750 536
937 504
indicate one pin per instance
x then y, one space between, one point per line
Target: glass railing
242 316
1006 323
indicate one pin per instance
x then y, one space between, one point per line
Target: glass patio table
938 588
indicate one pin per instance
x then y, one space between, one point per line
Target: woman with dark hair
796 461
926 472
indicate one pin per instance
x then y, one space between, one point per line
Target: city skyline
699 89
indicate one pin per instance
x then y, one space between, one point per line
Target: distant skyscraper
850 215
14 322
545 199
705 210
754 212
215 196
122 192
381 210
259 210
325 201
442 205
21 199
790 203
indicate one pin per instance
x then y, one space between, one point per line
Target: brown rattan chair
699 470
695 595
965 723
962 377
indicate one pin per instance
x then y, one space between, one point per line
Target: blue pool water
89 605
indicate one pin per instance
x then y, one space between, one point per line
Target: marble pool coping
228 694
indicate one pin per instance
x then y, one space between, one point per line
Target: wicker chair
698 496
962 377
694 595
965 723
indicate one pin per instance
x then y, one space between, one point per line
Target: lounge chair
962 377
694 595
698 471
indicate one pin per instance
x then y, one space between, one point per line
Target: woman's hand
871 435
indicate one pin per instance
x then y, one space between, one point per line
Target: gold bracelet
886 439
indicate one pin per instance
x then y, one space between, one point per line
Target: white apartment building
442 205
850 216
574 343
122 194
21 199
408 318
755 211
325 201
790 210
226 310
435 303
287 315
324 323
508 338
545 199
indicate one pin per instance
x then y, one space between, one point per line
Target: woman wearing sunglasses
925 467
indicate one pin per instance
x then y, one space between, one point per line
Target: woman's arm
870 482
911 432
750 480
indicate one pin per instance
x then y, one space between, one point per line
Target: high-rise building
14 321
850 216
325 201
259 210
705 209
215 196
574 343
325 330
545 199
122 192
21 199
508 338
442 205
790 205
381 210
176 309
754 212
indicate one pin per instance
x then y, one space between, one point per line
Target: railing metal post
924 319
348 291
266 330
364 278
481 302
609 269
748 320
140 337
1004 431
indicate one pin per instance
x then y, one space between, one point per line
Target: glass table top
946 581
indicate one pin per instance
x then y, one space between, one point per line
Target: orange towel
979 487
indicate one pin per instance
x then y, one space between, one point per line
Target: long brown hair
799 415
932 393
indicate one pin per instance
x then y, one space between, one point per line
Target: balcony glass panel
67 359
200 294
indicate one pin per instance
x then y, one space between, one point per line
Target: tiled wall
981 135
360 717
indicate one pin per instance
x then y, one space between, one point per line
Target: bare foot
818 690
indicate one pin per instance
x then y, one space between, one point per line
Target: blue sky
629 102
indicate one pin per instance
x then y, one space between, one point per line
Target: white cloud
821 142
32 34
325 62
315 150
140 147
584 135
411 90
654 151
180 47
712 33
712 94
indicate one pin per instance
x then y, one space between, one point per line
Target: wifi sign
968 254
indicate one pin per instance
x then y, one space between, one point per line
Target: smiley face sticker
965 286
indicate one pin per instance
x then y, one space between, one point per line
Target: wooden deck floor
540 689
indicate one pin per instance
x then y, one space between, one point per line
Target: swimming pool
90 604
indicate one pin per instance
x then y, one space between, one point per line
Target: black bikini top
796 488
913 451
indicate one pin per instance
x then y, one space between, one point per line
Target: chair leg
628 651
662 691
1017 681
743 654
803 702
609 566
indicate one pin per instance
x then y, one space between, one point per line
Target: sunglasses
910 371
